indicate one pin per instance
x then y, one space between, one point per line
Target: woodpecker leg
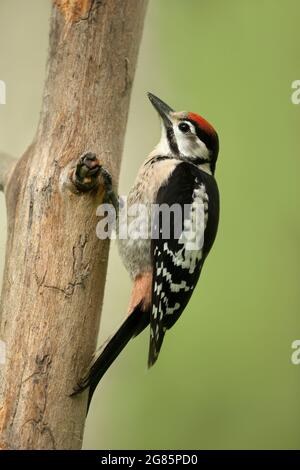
110 196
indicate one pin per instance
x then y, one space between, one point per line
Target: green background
225 377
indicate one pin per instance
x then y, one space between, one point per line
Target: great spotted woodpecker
165 271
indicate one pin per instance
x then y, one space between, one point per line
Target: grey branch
7 164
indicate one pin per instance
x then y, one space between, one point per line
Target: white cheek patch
162 147
189 144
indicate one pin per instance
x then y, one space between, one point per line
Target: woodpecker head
186 135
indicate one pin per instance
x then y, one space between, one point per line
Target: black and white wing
178 257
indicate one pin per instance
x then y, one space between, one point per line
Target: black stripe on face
210 140
172 141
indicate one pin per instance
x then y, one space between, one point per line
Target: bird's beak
162 108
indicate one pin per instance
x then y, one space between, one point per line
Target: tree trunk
55 266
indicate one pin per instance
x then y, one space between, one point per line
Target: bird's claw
87 175
87 171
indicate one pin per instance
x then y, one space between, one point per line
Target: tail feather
156 340
131 326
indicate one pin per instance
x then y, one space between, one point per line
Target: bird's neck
202 163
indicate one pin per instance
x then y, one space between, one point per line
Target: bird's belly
134 238
136 251
136 255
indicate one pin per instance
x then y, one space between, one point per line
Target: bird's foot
86 173
89 173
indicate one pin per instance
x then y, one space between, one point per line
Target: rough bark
55 266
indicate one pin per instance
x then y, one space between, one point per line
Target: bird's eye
184 127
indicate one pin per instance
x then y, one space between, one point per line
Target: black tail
132 325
